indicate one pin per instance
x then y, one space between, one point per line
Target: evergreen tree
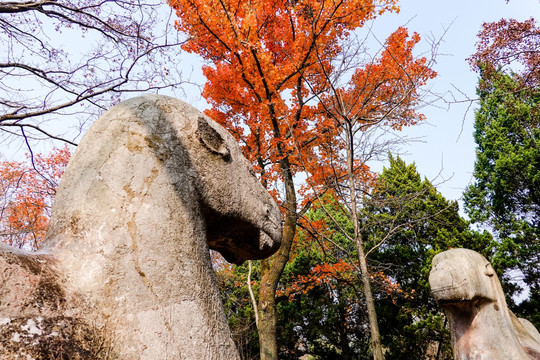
407 222
505 195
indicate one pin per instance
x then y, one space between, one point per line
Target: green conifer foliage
407 222
505 194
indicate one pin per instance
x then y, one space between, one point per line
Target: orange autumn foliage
267 63
340 272
26 196
387 89
328 274
384 92
270 67
338 268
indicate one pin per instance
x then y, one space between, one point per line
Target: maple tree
384 93
271 82
261 53
507 44
26 196
66 57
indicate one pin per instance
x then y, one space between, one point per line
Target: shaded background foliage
320 303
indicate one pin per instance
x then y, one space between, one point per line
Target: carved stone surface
465 285
125 271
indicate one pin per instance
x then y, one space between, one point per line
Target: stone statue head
462 275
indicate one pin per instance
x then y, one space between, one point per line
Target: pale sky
448 150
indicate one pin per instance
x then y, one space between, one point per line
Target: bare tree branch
67 60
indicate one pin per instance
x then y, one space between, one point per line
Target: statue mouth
471 305
239 241
268 244
458 294
447 288
453 293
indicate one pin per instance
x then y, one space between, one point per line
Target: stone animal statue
466 286
125 272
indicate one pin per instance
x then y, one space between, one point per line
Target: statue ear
211 139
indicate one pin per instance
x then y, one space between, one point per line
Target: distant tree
65 58
506 44
406 222
505 194
321 308
26 196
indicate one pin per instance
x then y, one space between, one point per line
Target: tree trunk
271 270
364 273
267 312
370 303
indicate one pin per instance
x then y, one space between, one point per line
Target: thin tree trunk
364 273
252 296
370 303
271 270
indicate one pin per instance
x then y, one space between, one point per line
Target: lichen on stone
52 338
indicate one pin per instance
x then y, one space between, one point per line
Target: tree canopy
406 223
509 44
505 194
270 62
26 195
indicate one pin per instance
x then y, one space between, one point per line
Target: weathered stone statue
465 285
125 272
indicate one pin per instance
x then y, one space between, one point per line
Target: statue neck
483 331
145 272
